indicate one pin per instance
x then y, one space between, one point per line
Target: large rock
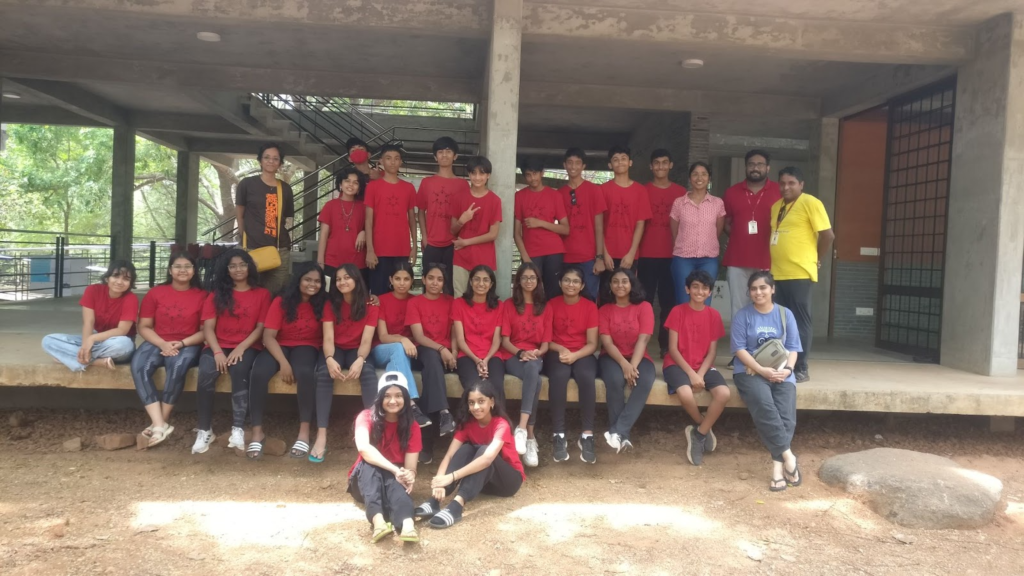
915 489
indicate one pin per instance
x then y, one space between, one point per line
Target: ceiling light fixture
12 95
693 63
208 36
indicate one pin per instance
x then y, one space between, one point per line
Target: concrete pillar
122 197
669 130
984 240
186 218
502 124
822 176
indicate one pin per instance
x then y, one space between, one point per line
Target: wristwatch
599 257
790 368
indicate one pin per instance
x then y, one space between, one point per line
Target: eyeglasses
572 196
572 281
241 266
182 267
481 280
528 279
756 165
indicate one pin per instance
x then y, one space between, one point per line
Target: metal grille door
913 254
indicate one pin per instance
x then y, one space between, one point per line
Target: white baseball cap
392 379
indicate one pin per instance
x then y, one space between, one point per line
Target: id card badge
752 227
775 238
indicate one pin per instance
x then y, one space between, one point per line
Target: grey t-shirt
261 211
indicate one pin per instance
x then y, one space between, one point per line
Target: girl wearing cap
388 441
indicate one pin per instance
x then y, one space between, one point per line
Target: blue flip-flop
316 460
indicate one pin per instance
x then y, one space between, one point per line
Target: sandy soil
167 512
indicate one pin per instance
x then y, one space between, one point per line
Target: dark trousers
380 277
655 275
207 381
148 358
584 372
495 370
529 373
622 414
435 255
331 273
498 479
550 267
303 362
381 493
433 389
796 295
772 408
325 386
606 278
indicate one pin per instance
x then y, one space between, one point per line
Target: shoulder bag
773 353
268 257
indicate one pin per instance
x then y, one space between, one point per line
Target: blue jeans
392 357
144 364
681 268
64 347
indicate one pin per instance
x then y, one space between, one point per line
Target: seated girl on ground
482 458
388 441
233 318
109 311
169 324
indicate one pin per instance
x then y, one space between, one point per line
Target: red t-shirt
626 207
434 316
305 330
696 330
389 446
235 325
435 199
525 331
488 215
110 312
478 325
544 205
391 204
746 250
392 312
657 241
347 220
477 435
626 324
348 333
175 314
569 324
581 244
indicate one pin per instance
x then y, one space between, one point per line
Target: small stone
146 528
115 441
20 433
196 556
102 537
56 528
18 420
879 439
274 447
904 538
326 484
73 445
787 557
753 552
141 442
744 476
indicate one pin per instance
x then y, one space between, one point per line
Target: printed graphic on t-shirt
621 329
661 207
441 203
622 215
766 333
235 331
394 204
564 325
474 323
270 223
433 320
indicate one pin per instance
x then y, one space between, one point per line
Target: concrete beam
194 124
879 88
847 41
71 98
720 141
228 107
44 115
166 139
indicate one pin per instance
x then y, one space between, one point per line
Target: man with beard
748 211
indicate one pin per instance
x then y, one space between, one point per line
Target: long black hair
405 418
343 175
121 268
291 297
181 255
487 389
492 294
359 294
539 301
636 291
223 287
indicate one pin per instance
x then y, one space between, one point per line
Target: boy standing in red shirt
434 201
654 268
541 222
585 206
628 210
388 201
475 218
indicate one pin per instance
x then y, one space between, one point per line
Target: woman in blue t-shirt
769 394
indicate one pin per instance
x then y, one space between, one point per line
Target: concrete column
502 124
669 130
122 197
984 242
186 218
822 176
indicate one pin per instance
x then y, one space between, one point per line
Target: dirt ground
166 512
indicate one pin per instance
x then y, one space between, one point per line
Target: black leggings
303 361
381 492
325 385
498 479
207 383
584 372
550 267
433 389
495 370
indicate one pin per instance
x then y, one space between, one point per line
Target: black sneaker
447 425
694 446
420 417
802 376
426 458
587 449
561 448
710 442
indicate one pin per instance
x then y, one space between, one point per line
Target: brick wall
856 287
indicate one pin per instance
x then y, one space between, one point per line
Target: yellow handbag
268 257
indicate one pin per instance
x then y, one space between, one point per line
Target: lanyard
753 209
784 211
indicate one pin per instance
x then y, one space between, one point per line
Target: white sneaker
237 439
203 440
530 459
613 440
520 438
